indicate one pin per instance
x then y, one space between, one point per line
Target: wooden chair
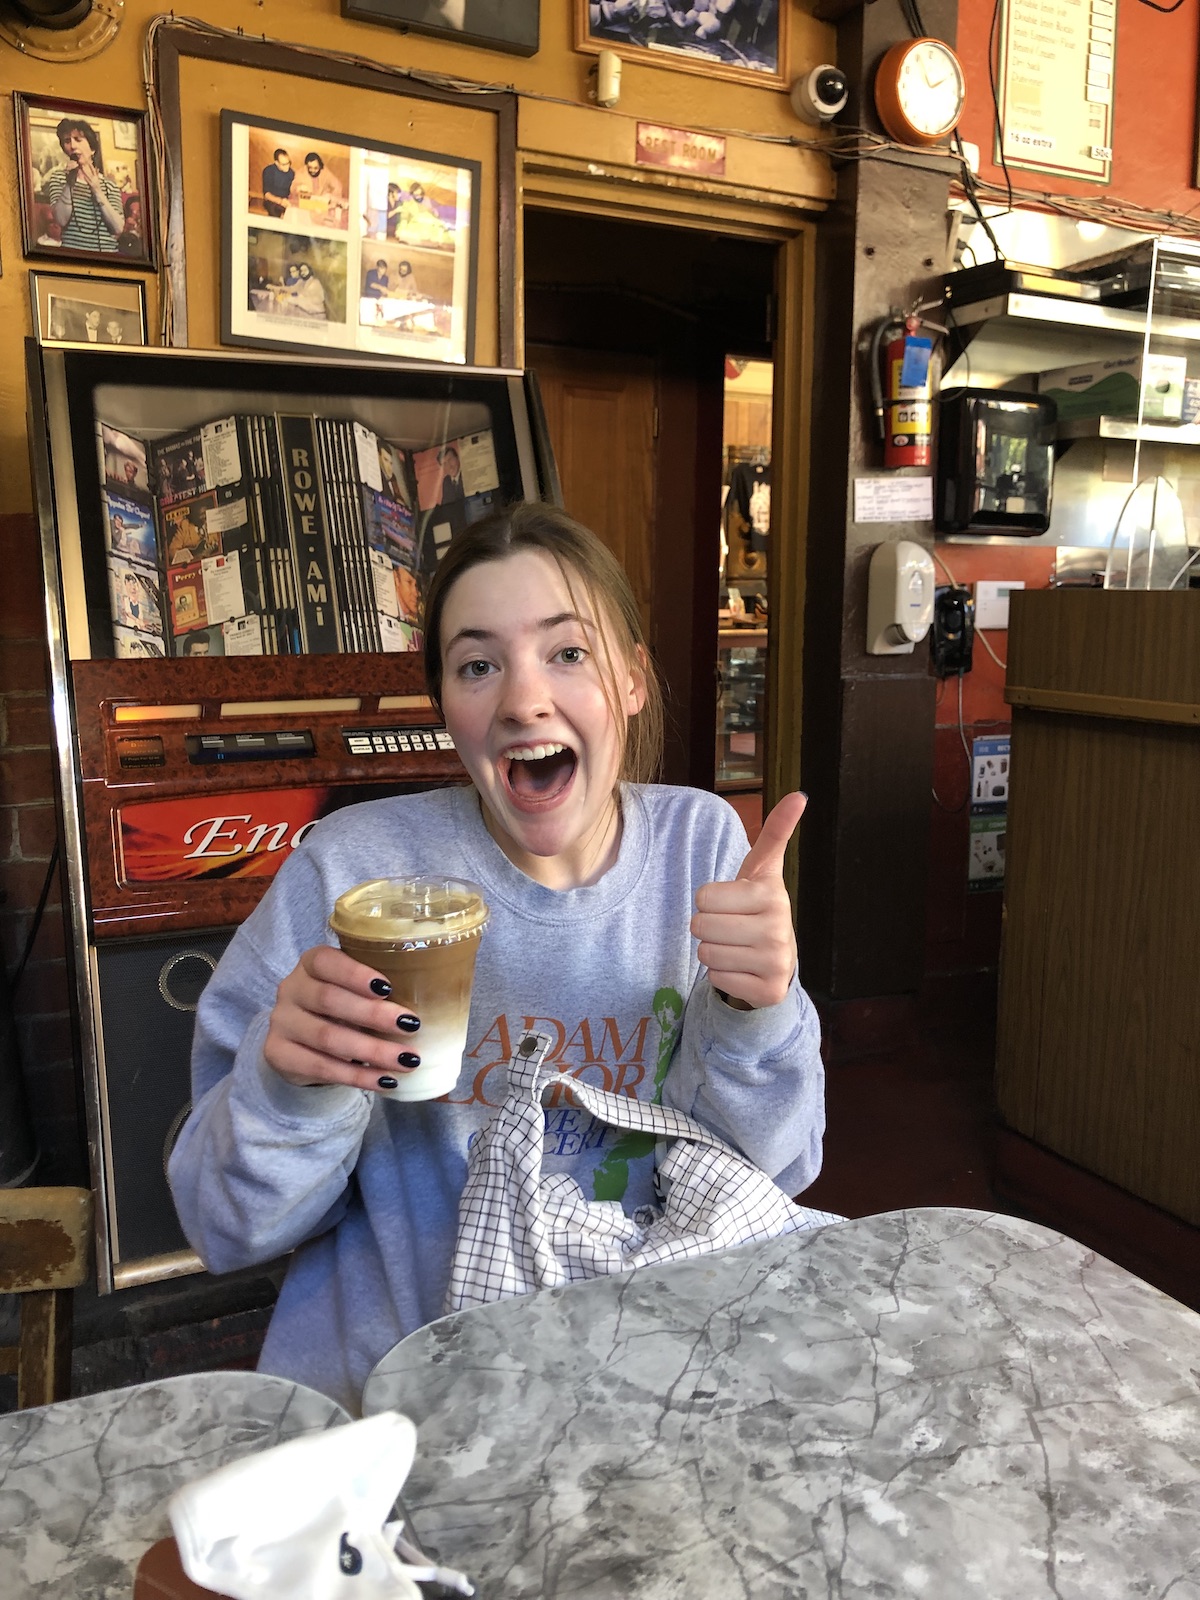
45 1238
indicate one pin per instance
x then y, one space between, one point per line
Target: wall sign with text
700 153
1057 66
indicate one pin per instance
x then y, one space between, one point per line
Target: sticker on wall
985 864
989 808
989 775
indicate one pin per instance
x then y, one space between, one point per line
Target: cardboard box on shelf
1110 388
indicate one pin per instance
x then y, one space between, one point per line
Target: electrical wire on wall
962 734
993 55
14 983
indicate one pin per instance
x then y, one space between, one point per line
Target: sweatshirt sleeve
261 1164
755 1078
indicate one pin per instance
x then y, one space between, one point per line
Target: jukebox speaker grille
149 990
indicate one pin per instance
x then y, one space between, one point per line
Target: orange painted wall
1154 127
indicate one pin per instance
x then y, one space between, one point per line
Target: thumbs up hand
747 941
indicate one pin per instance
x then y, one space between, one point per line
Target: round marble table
84 1484
939 1404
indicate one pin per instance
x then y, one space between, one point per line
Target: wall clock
919 91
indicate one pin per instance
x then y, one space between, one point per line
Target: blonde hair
585 563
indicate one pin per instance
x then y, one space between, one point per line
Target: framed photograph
72 309
334 245
744 39
510 25
84 180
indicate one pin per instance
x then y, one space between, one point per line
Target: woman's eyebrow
545 625
564 616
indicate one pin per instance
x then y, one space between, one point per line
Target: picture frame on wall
69 308
84 177
510 25
742 39
335 245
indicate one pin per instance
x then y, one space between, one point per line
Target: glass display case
235 550
741 707
1123 368
1157 391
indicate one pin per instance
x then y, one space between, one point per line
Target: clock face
919 91
930 88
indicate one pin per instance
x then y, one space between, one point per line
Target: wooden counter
1099 1020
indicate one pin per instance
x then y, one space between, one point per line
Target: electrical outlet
991 602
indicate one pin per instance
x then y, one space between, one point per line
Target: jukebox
234 550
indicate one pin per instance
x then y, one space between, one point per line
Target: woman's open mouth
537 774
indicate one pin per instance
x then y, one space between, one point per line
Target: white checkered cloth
518 1231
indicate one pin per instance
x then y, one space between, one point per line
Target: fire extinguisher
902 389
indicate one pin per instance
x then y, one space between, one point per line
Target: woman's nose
526 695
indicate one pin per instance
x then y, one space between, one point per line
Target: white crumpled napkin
308 1519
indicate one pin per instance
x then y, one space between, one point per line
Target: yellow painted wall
558 73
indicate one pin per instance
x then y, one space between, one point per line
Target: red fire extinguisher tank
904 400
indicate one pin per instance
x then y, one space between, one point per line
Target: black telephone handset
952 636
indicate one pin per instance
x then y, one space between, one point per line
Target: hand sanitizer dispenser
899 597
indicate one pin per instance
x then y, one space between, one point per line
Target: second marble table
84 1484
936 1404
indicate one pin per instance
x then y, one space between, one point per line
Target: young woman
628 920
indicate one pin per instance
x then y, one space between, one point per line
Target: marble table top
939 1404
84 1484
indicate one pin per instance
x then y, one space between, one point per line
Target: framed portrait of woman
84 179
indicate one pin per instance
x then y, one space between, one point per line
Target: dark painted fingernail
408 1022
407 1059
389 1083
381 987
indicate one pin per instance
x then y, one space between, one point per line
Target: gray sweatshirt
365 1190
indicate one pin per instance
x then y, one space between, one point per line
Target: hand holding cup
421 936
333 1023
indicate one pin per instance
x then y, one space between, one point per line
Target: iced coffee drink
422 935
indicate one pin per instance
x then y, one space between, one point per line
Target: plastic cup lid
410 910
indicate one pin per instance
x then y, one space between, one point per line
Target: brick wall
28 828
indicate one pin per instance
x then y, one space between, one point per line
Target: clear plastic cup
421 934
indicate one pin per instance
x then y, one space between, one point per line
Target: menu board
1056 86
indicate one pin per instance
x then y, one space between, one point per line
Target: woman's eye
572 654
475 669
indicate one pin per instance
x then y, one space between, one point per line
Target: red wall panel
1154 127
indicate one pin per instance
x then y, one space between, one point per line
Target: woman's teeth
536 752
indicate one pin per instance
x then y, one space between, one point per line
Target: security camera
820 94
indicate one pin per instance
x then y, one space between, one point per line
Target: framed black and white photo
743 39
69 308
510 25
336 245
84 182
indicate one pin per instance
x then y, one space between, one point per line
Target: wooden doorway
627 328
601 410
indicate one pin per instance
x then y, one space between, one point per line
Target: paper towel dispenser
995 462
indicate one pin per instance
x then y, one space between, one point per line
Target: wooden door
601 413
